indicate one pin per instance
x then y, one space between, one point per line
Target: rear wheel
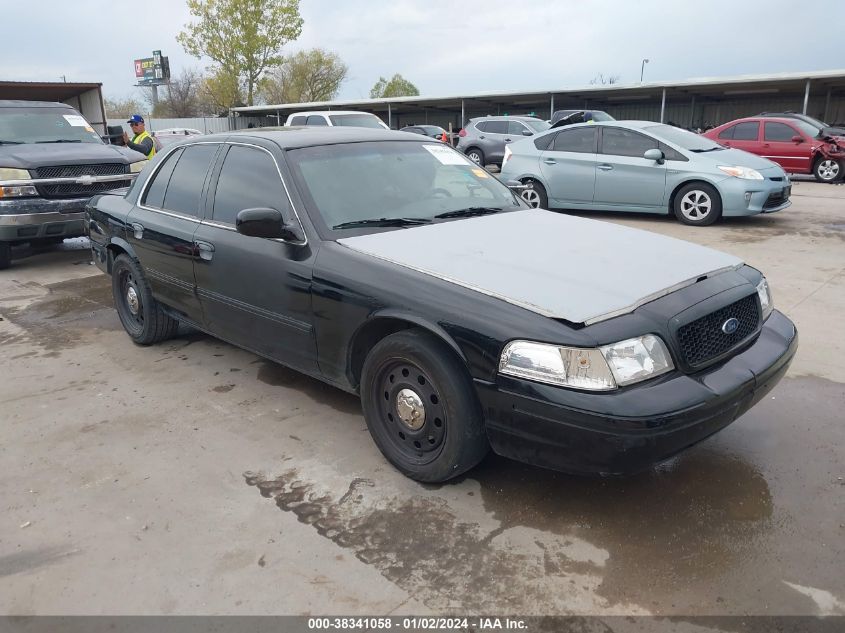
420 406
535 194
475 155
827 169
5 255
697 204
141 315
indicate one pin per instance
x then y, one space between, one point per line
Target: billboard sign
155 69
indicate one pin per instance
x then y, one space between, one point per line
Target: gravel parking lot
195 478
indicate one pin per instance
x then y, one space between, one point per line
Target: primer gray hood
559 266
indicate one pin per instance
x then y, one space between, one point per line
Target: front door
569 166
161 226
623 176
255 292
778 146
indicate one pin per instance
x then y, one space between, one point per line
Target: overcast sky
447 47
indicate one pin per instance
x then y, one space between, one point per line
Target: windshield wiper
2 142
468 212
62 140
382 222
709 149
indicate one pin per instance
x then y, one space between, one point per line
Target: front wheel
420 406
697 204
141 315
827 169
476 155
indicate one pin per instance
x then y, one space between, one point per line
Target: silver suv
483 139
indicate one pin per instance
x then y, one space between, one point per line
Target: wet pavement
193 477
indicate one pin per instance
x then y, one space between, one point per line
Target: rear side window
249 180
298 120
185 188
748 131
316 119
582 139
155 192
774 131
620 142
493 127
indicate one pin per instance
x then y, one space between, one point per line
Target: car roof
756 119
327 112
302 136
502 117
20 103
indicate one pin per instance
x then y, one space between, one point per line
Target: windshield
537 126
45 125
687 140
808 128
356 120
431 129
386 180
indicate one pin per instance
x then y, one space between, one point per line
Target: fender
434 328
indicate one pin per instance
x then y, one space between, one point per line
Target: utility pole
642 69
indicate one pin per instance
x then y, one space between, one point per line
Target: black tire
141 315
535 194
5 255
414 370
828 169
697 204
475 155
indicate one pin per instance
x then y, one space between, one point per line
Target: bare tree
600 79
122 108
182 95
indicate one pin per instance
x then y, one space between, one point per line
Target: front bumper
33 218
628 430
749 197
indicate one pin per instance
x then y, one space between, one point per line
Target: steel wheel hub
410 408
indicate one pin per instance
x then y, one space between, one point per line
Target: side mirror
527 133
654 154
797 139
267 223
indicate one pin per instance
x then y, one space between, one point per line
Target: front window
356 120
683 139
45 125
357 182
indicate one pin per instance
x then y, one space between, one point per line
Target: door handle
205 249
549 161
138 230
605 167
507 140
481 136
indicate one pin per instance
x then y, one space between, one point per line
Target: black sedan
391 266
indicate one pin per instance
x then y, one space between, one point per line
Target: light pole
642 69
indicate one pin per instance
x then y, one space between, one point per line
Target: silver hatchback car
484 139
645 167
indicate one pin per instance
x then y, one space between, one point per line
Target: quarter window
249 180
619 142
780 132
582 139
155 192
185 187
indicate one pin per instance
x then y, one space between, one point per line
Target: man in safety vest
141 141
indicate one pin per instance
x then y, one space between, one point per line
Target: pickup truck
51 163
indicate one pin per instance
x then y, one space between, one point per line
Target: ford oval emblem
730 326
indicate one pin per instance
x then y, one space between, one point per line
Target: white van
348 118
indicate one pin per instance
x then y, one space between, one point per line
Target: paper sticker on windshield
480 173
75 120
446 156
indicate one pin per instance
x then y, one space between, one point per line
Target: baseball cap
136 118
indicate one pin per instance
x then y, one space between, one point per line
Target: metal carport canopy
707 87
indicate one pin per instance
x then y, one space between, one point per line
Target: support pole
827 107
552 107
389 116
663 105
692 112
463 114
806 97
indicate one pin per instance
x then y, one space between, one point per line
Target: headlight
765 298
134 168
600 369
746 173
7 173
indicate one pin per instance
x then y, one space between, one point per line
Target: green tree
218 92
314 75
397 86
243 37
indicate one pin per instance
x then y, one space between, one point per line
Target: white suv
331 118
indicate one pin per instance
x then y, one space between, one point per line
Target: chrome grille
74 190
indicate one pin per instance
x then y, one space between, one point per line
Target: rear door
162 226
778 146
255 292
569 165
492 139
623 176
744 136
